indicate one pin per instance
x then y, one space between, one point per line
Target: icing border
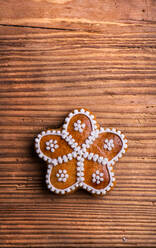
81 152
124 143
80 184
94 125
55 161
54 189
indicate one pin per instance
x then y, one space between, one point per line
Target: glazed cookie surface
80 154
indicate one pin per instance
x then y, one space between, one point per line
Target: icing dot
55 162
97 177
109 144
51 145
76 111
65 159
95 157
69 156
78 126
62 175
60 160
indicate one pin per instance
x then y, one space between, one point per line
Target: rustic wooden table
57 55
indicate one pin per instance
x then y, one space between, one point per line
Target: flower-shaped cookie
80 154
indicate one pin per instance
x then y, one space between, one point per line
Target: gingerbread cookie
80 154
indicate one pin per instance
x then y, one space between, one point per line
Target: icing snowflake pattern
62 176
78 126
97 177
109 144
51 145
89 165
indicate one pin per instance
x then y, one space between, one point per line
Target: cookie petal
98 178
110 144
80 124
52 147
62 178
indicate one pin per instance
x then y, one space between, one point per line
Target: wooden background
57 55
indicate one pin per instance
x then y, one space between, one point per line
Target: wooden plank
77 14
44 74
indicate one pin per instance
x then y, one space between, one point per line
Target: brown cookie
80 154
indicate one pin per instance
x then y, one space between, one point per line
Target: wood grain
77 14
44 74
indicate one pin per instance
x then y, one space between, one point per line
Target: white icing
51 145
97 177
62 175
94 132
107 188
95 157
54 189
109 144
80 170
124 143
79 126
79 153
